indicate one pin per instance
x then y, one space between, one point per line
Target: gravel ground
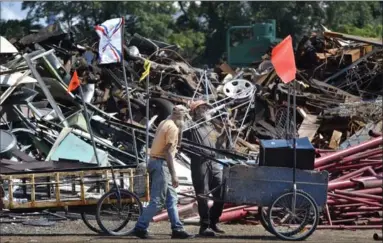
76 231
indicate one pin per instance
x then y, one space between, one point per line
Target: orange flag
282 58
74 82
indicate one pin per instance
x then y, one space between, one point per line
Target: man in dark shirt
206 174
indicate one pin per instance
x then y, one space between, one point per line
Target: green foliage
16 28
200 28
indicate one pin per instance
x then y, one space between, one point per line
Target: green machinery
247 44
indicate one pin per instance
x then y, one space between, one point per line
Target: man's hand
175 181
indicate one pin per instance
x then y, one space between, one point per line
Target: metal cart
76 190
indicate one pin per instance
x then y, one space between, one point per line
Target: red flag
74 82
282 57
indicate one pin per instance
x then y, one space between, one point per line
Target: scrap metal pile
44 128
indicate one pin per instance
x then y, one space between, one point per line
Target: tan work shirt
167 132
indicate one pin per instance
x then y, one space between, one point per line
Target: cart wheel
91 222
287 225
114 212
263 212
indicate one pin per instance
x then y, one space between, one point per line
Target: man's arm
171 139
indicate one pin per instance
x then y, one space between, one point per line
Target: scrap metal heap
43 127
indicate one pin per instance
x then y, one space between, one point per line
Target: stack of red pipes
355 185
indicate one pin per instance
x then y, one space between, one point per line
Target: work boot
142 234
181 234
205 231
216 229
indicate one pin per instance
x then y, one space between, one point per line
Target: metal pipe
377 190
353 214
349 227
356 166
181 209
371 183
352 174
362 155
251 209
343 221
349 151
348 205
232 215
361 200
341 184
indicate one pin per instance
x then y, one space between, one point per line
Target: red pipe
377 190
349 151
349 227
366 208
251 209
375 220
340 184
358 194
337 201
362 155
352 174
232 215
361 200
349 214
371 160
181 209
343 221
371 183
348 205
356 166
328 214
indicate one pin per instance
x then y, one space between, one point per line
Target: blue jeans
161 190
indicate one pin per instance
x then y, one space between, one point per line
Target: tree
16 28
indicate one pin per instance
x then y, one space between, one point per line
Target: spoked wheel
263 212
118 214
91 222
293 218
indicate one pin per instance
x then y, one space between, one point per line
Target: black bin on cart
279 153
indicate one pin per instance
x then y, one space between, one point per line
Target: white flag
110 47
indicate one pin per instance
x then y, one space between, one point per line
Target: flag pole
88 124
127 89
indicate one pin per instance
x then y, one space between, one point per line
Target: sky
12 10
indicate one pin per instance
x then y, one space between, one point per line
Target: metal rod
288 121
46 91
89 127
127 90
294 145
147 121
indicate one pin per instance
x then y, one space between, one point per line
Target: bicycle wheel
116 211
91 222
298 224
263 212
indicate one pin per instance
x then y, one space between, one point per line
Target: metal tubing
87 119
362 155
371 183
356 194
353 214
343 221
377 190
352 174
231 215
361 200
356 166
348 205
341 184
351 227
45 90
349 151
181 209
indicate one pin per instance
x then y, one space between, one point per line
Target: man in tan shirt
163 176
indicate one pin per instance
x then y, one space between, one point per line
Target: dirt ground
76 231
